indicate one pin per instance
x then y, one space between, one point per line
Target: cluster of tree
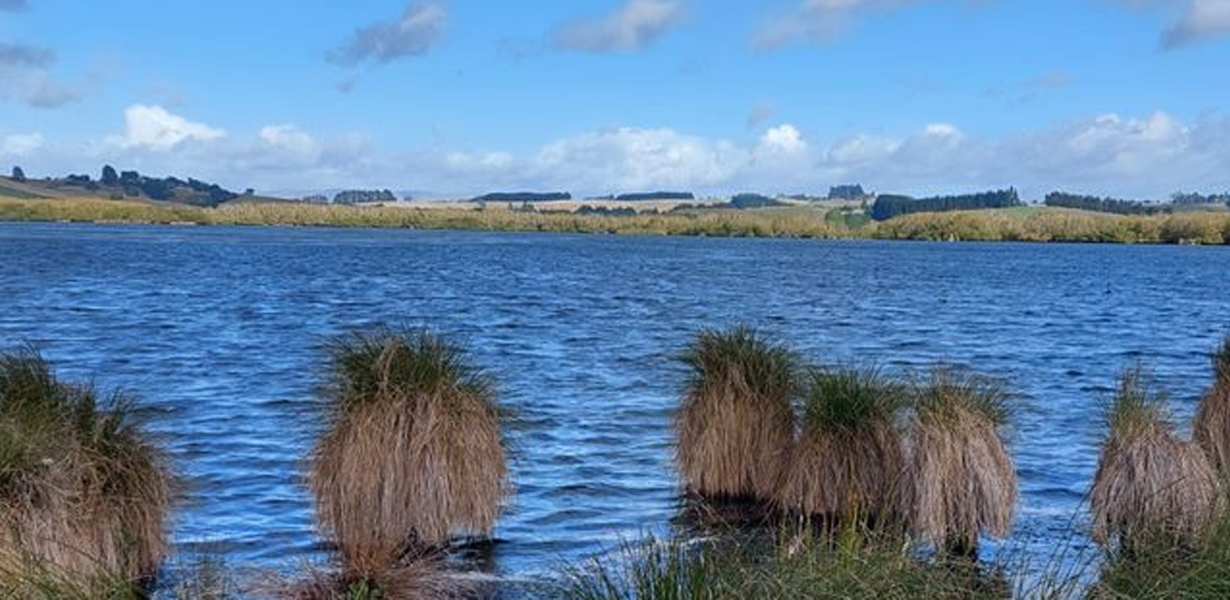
1104 205
846 192
638 197
18 175
888 206
746 200
604 211
363 197
315 199
1189 199
523 197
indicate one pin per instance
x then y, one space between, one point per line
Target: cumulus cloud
25 55
13 5
289 138
154 128
420 27
631 28
20 144
1202 20
783 139
634 158
820 21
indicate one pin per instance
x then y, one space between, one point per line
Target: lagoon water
218 332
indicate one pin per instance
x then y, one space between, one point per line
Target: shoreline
1034 225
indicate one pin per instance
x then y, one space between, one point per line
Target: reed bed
735 427
1013 225
1151 487
964 483
413 454
849 462
84 491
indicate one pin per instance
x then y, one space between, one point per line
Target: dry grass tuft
413 455
849 461
1212 424
964 483
736 424
84 493
1150 486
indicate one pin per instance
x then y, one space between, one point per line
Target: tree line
888 206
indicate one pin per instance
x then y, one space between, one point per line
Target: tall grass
883 569
1027 225
413 452
1212 423
735 427
1150 487
849 462
964 483
84 492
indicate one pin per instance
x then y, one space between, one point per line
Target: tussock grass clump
413 454
849 460
1212 424
964 483
1150 487
84 492
736 424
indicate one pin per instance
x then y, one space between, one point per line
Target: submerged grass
413 454
84 492
1151 488
849 462
735 427
964 483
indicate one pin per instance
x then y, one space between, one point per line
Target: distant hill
119 185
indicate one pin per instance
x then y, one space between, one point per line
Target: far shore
1023 224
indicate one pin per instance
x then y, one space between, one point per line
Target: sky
451 98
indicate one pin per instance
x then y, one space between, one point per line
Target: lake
218 331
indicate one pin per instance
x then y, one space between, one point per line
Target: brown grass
849 461
1150 485
413 455
84 493
736 424
1212 424
964 483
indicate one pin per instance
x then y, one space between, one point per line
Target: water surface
218 330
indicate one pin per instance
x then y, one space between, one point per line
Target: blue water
218 330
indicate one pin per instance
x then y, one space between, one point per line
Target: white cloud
154 128
420 28
638 159
20 144
289 138
635 25
1203 19
783 139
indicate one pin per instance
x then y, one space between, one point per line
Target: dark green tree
18 174
109 176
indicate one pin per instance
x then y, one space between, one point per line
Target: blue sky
1124 97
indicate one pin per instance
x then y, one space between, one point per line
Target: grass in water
964 483
849 461
736 424
413 454
1151 488
84 491
1212 424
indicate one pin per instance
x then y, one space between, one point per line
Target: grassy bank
1030 224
